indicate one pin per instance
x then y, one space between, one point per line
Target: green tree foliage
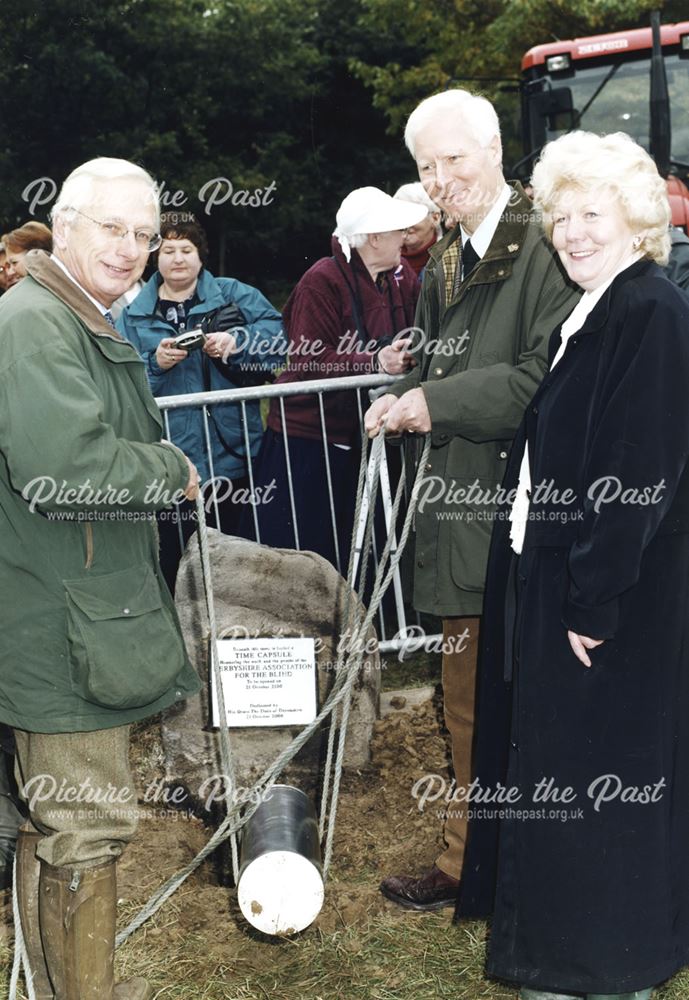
474 43
194 93
289 103
248 101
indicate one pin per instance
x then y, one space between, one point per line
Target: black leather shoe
432 891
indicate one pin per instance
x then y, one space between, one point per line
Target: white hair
355 241
417 194
78 189
475 113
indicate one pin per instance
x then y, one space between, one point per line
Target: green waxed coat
90 637
487 358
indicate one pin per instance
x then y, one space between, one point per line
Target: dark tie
469 259
108 319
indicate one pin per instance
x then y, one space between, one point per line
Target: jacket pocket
125 647
471 534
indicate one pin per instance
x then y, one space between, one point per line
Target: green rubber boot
77 912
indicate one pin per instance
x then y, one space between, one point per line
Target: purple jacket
337 318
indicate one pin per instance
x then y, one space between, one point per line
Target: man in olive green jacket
492 295
91 640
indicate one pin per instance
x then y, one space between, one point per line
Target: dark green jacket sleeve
57 443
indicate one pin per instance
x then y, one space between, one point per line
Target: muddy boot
77 910
28 871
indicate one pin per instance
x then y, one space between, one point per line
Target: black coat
597 899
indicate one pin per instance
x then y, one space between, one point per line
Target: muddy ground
199 944
361 947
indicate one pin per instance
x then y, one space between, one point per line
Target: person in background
17 243
585 667
245 346
492 293
3 269
677 267
342 318
91 642
419 239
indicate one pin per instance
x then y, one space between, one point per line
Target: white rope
339 698
226 760
20 962
381 584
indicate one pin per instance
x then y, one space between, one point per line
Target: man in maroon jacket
342 319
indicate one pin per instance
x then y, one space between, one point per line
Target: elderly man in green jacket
91 640
492 294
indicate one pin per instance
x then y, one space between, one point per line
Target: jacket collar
598 316
146 302
47 273
496 263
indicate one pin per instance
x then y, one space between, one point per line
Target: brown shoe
432 891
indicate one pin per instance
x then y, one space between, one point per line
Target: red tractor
628 81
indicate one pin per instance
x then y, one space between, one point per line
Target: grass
390 957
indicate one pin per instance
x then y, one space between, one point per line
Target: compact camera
190 340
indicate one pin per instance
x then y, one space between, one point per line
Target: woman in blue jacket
248 340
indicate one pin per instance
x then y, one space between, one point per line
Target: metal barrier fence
401 636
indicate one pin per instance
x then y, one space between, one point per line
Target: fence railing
396 632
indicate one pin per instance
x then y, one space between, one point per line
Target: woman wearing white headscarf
341 319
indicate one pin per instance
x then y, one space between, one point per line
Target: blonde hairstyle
475 113
583 161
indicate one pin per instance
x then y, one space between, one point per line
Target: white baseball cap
370 210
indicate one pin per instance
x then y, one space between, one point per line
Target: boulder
261 592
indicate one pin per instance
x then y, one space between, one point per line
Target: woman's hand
395 358
167 355
220 345
580 643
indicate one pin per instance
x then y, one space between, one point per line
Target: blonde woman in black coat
584 699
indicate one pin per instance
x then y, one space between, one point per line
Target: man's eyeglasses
145 239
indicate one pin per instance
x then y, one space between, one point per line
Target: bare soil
380 831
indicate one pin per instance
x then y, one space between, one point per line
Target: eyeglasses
145 239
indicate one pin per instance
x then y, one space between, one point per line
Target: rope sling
357 621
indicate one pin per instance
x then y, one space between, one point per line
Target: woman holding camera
241 342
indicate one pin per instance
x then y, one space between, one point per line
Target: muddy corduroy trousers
460 655
80 793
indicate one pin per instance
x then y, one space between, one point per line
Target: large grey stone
261 592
